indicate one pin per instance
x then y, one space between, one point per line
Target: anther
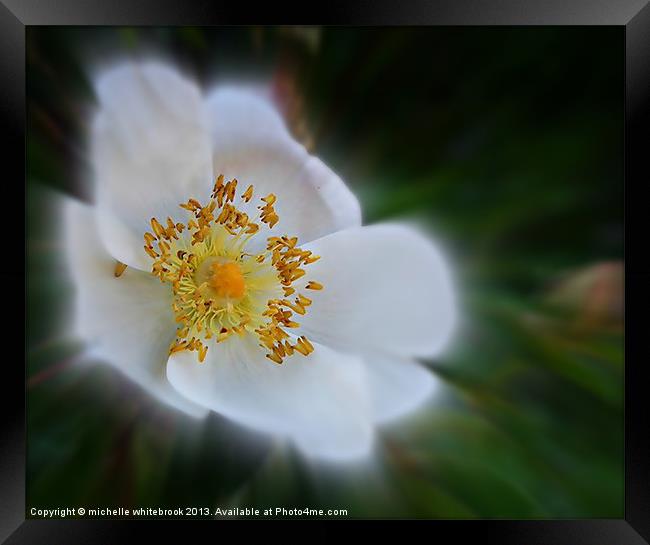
119 269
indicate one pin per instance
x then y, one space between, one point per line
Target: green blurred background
507 142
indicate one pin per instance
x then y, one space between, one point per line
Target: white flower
206 311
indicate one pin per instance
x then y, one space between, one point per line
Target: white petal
242 109
251 143
320 402
397 386
386 287
126 321
150 151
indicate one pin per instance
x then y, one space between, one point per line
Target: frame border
633 15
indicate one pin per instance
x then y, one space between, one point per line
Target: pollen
222 291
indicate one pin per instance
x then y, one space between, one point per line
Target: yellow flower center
219 288
224 278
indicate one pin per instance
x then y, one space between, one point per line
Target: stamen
219 289
304 301
119 269
157 228
248 194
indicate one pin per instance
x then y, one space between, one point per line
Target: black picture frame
633 15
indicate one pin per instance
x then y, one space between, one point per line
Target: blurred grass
507 142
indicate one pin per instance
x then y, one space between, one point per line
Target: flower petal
320 402
252 144
242 109
150 151
126 321
397 386
386 287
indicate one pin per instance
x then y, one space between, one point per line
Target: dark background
507 141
